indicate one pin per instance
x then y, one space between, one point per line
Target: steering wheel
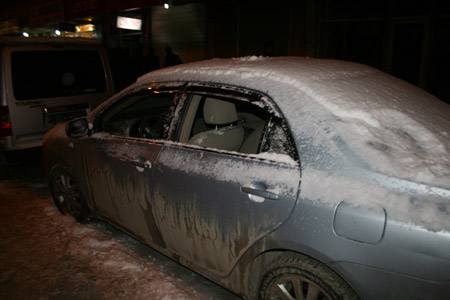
149 128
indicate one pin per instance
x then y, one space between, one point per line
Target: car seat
251 143
226 133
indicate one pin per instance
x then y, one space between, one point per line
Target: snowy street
46 255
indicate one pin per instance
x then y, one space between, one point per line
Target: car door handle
142 163
258 189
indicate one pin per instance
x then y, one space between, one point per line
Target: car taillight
5 122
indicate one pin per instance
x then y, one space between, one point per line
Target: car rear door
210 204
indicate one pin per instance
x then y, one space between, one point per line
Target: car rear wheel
293 276
66 194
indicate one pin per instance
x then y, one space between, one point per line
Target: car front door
122 153
212 204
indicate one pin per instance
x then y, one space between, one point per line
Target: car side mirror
77 128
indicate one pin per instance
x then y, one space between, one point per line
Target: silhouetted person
269 49
171 58
150 61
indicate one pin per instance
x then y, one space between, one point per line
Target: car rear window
49 74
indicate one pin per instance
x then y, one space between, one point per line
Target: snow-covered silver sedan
278 178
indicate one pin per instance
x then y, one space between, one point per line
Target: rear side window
228 123
49 74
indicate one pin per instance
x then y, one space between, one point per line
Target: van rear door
50 84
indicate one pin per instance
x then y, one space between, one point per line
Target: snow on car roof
393 126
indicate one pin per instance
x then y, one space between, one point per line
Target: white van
45 81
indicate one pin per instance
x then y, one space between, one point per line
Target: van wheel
66 194
293 276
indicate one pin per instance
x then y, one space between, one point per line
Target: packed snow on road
46 255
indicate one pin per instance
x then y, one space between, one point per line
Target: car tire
66 194
295 276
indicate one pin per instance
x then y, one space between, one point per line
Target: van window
49 74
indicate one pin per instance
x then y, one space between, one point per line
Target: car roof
386 121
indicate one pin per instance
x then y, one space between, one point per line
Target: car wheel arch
254 265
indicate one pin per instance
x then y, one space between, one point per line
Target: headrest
218 112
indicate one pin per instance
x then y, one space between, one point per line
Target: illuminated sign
129 23
84 28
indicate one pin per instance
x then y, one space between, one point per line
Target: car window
277 139
234 125
142 115
48 74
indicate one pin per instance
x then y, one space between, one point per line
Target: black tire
293 276
66 194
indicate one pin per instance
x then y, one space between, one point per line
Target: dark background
407 38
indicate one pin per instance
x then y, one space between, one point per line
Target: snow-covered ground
46 255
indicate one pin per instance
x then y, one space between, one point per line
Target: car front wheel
66 194
293 276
